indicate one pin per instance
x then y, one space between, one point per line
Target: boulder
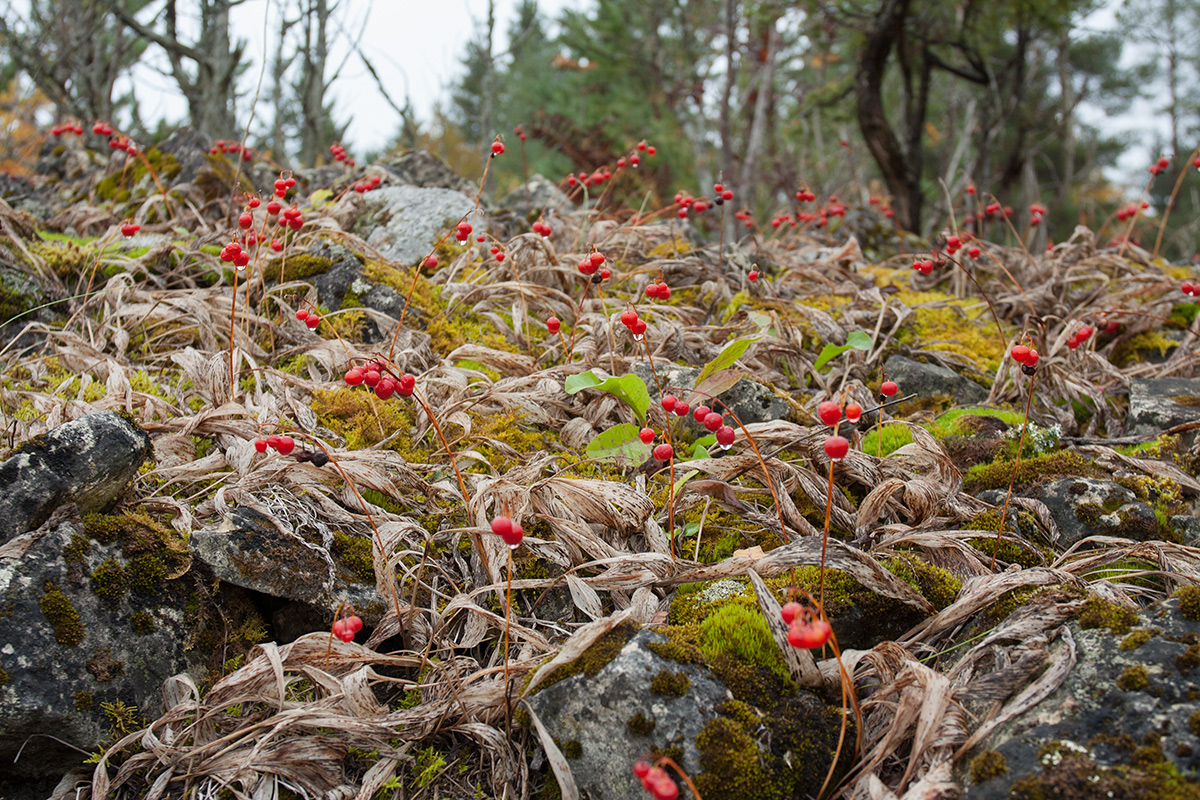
751 401
931 380
84 629
423 169
189 147
1156 404
405 223
537 194
88 462
1084 507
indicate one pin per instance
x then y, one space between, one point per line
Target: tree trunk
754 141
312 104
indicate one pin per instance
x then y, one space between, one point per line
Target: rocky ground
169 580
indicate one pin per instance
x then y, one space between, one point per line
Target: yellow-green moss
640 725
1133 679
935 584
68 628
84 701
1100 613
1138 638
594 659
76 551
1030 471
740 633
364 420
146 574
986 766
1189 601
670 684
731 764
357 553
572 749
952 326
506 440
109 580
142 623
3 677
1138 347
894 437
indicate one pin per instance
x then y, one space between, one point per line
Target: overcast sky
414 44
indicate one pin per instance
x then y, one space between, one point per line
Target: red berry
713 421
727 194
1084 333
664 452
974 252
888 388
286 445
809 635
497 148
836 447
353 624
646 435
829 412
597 259
605 274
502 526
789 612
629 318
1020 354
274 207
682 409
354 376
430 263
302 314
668 402
700 413
273 442
260 445
665 789
1072 343
718 188
313 321
1033 358
246 220
339 627
553 324
853 412
725 436
639 327
753 276
371 377
640 768
407 384
385 388
514 536
129 229
1112 327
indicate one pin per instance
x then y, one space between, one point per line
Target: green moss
506 439
84 702
1100 613
76 551
731 765
142 623
944 323
298 266
670 684
146 574
935 584
1138 638
3 677
68 628
1194 723
1140 346
572 749
1188 660
1133 679
1030 471
986 766
894 437
357 553
109 580
740 633
960 421
363 420
640 725
1189 601
594 659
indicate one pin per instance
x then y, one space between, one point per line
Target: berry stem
1013 479
575 327
507 619
825 533
413 288
1171 203
669 762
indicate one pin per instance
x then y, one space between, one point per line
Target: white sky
415 45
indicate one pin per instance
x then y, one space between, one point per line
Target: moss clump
1140 347
670 684
146 574
76 552
297 267
742 634
1189 601
109 581
935 584
1138 638
1188 660
357 553
986 766
506 439
731 765
68 628
84 701
942 322
1030 471
894 437
572 748
640 725
363 420
3 676
1100 613
142 623
1194 723
594 659
1133 679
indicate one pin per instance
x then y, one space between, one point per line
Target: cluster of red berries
1027 357
1191 289
782 218
462 231
292 217
806 630
658 290
924 266
1080 336
631 320
234 254
309 318
509 530
497 148
992 209
282 185
656 781
590 265
714 422
519 132
284 444
805 196
498 254
596 178
368 184
1130 211
836 447
102 128
339 154
953 244
542 228
230 147
130 228
345 629
122 143
67 127
374 375
1036 212
1160 166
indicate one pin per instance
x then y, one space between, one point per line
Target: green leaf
728 355
320 197
684 478
857 340
619 445
629 388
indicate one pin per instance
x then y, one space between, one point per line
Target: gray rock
1084 507
248 550
189 147
538 193
1154 406
64 650
88 461
595 711
1102 715
751 401
322 177
929 380
1188 528
405 223
421 168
